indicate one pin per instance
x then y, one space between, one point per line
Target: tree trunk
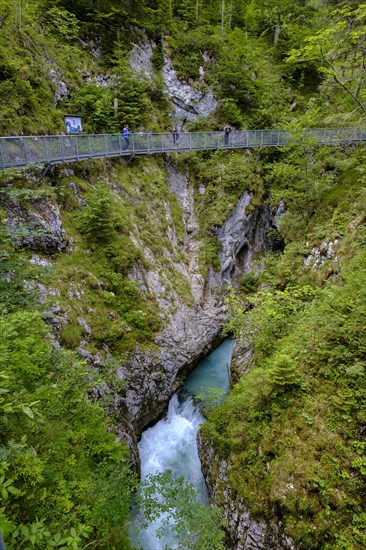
277 28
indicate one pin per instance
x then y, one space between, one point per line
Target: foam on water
171 443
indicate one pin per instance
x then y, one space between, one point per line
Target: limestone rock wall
244 532
42 217
188 101
191 332
192 329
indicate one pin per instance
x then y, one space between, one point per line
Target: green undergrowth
50 60
65 482
117 227
292 429
31 62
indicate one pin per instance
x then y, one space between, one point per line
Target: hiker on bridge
126 134
227 131
175 135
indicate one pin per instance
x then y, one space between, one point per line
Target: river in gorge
171 443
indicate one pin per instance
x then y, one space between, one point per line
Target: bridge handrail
17 151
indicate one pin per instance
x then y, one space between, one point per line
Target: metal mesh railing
20 151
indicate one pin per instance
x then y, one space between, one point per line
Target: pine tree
284 373
131 92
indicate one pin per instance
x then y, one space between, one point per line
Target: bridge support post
2 155
129 159
87 164
62 152
46 150
76 147
46 168
24 148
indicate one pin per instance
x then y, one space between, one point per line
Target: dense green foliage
194 525
293 428
265 61
64 480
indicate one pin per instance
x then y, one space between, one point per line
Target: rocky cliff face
191 329
153 379
38 225
244 532
188 102
242 236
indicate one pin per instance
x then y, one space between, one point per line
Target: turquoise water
211 372
171 443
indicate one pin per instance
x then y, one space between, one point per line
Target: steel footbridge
19 151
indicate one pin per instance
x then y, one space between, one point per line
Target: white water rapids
171 443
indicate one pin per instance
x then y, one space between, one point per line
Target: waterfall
171 443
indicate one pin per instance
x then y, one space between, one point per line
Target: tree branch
338 81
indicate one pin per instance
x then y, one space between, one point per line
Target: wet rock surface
242 235
152 379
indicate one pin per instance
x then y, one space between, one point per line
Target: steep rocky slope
190 305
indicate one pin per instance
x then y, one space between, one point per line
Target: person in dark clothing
175 135
126 134
227 131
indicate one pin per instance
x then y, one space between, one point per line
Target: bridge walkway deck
20 151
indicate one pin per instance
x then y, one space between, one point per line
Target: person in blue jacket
126 134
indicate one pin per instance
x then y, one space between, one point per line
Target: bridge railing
20 151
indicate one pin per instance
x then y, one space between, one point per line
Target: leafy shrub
62 22
174 502
227 112
56 453
95 104
98 218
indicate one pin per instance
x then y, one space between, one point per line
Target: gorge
171 443
118 276
192 328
